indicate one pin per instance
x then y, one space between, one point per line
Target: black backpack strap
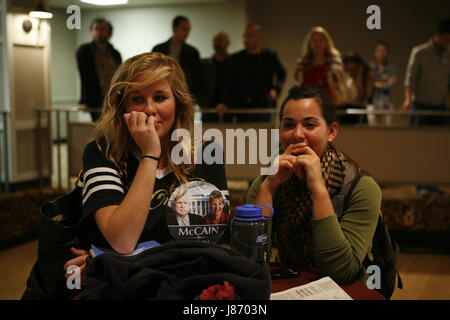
384 249
340 201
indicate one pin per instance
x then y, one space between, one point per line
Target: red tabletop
356 290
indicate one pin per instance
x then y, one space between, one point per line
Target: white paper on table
322 289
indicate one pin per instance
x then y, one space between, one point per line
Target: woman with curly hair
128 170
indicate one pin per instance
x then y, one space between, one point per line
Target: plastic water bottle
249 233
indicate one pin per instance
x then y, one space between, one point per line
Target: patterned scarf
294 206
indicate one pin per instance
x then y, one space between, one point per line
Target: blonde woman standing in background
320 66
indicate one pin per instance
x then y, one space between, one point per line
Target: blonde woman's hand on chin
143 131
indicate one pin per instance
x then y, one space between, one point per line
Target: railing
350 111
395 112
271 111
62 114
4 160
399 113
255 111
58 141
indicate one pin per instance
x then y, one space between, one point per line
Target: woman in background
320 64
356 67
384 79
360 73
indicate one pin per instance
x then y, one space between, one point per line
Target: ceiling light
105 2
40 12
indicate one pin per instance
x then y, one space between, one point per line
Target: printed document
322 289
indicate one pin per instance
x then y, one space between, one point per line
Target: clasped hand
301 160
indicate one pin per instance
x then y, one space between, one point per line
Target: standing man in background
214 75
187 56
254 80
97 62
427 78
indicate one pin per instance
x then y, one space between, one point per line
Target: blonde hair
332 55
112 132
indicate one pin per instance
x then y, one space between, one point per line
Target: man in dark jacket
214 69
255 79
97 62
187 56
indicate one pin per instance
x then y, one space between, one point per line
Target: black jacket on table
177 270
91 94
190 63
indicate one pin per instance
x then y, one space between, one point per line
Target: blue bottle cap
249 212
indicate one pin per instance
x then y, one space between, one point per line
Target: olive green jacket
339 247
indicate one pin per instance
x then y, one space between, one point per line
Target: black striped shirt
104 186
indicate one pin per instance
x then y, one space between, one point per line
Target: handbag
343 87
60 224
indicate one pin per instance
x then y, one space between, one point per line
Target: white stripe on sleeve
100 170
100 178
102 187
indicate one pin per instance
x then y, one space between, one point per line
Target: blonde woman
128 173
320 65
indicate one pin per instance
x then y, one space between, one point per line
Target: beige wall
29 79
404 24
400 155
390 155
63 67
138 30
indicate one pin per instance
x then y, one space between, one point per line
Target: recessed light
105 2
